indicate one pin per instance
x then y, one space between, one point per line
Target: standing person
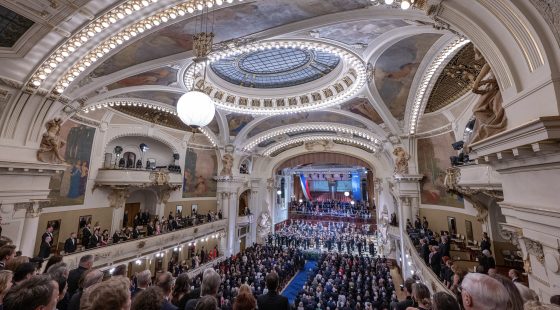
166 282
71 244
421 295
444 301
7 253
408 302
244 300
144 279
88 279
271 300
86 234
45 249
5 283
113 294
485 243
39 292
86 262
211 281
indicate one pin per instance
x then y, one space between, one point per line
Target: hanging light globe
196 109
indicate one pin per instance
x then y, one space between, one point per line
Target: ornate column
256 210
30 228
227 194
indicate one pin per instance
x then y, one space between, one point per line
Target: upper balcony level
125 251
479 176
137 177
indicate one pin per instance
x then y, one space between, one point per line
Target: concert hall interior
279 154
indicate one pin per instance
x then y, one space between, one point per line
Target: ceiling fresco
359 32
12 27
213 126
306 117
230 22
236 122
159 96
362 107
395 69
161 76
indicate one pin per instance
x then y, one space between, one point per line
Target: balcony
246 219
479 176
136 177
124 251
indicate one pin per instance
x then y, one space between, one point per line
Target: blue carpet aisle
298 281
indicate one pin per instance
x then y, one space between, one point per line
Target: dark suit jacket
426 253
444 249
70 247
272 301
45 235
168 306
86 234
135 292
45 250
408 302
73 278
93 241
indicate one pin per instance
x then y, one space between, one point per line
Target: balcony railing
123 251
134 177
421 269
479 176
246 219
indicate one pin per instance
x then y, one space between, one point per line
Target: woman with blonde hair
5 283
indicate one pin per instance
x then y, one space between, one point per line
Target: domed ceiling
275 68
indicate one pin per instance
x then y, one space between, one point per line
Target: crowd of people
338 208
143 226
325 236
346 281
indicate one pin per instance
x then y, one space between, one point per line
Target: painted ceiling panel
12 27
306 117
359 32
236 122
395 69
362 107
230 22
159 96
161 76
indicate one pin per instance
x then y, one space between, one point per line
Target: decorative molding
550 10
534 248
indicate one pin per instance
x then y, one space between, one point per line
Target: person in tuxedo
86 234
71 244
48 233
94 240
444 247
86 262
144 279
435 260
45 249
272 300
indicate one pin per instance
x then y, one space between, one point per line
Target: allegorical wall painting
69 187
201 166
433 160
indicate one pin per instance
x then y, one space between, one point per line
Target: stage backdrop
200 168
69 188
433 160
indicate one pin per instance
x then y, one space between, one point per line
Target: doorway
131 209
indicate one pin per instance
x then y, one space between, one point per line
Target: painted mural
162 76
236 122
200 168
362 107
69 188
159 96
395 70
433 160
305 117
213 126
230 22
360 32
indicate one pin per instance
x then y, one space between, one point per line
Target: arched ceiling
322 158
398 45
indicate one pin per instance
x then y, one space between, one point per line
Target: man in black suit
71 244
408 302
425 251
271 300
166 282
86 234
211 281
444 247
86 262
48 233
435 260
144 279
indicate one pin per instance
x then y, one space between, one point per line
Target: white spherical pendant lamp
196 109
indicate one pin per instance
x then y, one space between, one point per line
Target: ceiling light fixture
195 108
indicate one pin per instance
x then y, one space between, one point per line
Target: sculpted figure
488 111
227 161
401 162
264 227
51 144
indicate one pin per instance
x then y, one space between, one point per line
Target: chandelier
403 4
195 108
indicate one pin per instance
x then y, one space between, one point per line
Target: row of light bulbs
132 103
84 35
114 41
357 71
289 142
404 4
420 98
309 127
